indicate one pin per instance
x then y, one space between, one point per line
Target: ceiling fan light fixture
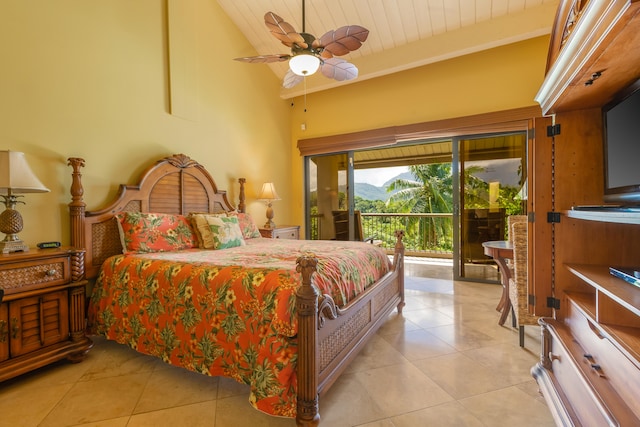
304 64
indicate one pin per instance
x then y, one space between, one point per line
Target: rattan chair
518 289
512 219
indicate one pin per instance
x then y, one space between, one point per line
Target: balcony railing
428 235
425 234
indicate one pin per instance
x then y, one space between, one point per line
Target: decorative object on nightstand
269 195
16 177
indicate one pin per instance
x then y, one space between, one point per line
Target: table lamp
16 177
268 194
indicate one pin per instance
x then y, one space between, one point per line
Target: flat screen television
621 125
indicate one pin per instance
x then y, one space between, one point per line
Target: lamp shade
304 64
16 176
269 192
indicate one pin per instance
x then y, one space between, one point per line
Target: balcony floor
442 268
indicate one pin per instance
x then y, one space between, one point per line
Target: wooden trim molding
576 56
499 121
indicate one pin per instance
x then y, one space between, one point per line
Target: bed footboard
329 337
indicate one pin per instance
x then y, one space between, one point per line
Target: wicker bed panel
339 339
106 241
387 294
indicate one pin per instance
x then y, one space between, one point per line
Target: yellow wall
90 79
499 79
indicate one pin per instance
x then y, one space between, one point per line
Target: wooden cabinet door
4 332
38 321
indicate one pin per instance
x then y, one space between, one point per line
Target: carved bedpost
77 205
307 312
241 204
398 261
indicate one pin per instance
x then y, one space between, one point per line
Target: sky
377 176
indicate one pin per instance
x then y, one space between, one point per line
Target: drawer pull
598 370
553 357
15 328
51 272
4 331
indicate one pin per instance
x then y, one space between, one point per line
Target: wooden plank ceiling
403 33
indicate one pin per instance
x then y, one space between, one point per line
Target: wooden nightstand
42 314
282 232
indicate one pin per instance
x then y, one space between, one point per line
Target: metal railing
427 235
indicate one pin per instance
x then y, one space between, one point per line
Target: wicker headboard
176 184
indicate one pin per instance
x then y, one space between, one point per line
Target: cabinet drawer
34 274
578 389
620 371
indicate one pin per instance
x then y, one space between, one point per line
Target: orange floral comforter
227 312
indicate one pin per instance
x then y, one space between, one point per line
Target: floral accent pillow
154 232
247 225
220 232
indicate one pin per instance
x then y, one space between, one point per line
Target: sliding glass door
330 197
490 175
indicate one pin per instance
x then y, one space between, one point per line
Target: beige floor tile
418 344
236 412
201 414
397 323
507 408
348 404
113 422
28 405
401 388
376 353
110 359
507 359
461 376
447 414
101 399
174 386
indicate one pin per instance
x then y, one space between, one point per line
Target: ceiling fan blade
264 58
341 41
291 79
283 31
338 69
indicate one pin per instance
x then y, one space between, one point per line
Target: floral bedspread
227 312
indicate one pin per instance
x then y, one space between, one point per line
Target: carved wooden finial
181 161
241 204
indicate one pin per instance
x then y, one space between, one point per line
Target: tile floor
443 362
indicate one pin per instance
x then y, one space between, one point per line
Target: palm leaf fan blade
283 31
341 41
291 79
264 58
338 69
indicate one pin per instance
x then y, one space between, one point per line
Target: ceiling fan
308 53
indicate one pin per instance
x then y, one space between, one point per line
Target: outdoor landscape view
419 200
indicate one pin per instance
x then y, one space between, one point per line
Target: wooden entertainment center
589 369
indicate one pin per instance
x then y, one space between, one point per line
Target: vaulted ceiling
403 34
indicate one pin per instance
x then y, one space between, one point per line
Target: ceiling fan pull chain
305 90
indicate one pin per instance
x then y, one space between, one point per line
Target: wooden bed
328 337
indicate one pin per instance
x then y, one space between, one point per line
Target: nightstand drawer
283 232
34 274
288 233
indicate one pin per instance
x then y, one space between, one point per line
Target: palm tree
430 192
